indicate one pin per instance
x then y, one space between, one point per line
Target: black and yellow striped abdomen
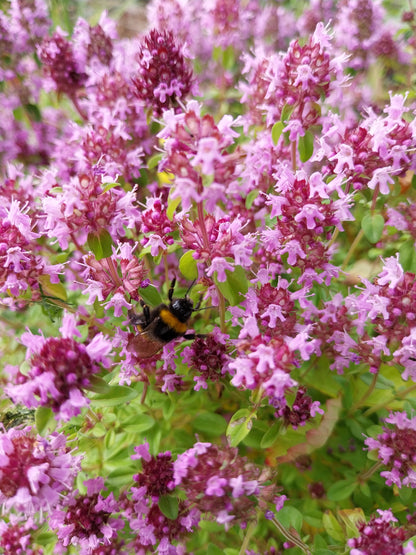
166 326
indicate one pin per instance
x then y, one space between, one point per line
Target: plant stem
399 395
78 107
368 473
291 537
365 396
221 310
247 537
293 154
352 248
113 271
165 262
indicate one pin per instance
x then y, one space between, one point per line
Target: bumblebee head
182 308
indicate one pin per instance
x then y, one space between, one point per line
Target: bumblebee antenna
190 287
197 309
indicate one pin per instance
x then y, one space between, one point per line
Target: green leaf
235 287
286 113
228 58
277 131
98 309
143 422
407 256
210 423
98 385
365 489
239 426
290 517
54 290
341 490
332 527
43 416
210 526
372 226
406 495
33 112
319 543
154 160
109 186
251 197
117 395
216 53
150 295
271 436
350 518
188 266
169 506
100 244
213 549
173 204
305 146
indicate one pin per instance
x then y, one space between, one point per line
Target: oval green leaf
173 204
239 426
54 290
407 256
188 266
43 416
33 112
372 226
332 527
100 244
251 197
98 385
143 422
235 287
154 160
271 436
277 131
305 146
341 490
110 186
117 395
290 518
286 112
150 295
169 506
210 423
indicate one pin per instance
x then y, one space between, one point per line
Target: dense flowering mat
208 295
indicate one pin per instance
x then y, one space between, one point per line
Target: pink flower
35 471
396 448
163 75
61 369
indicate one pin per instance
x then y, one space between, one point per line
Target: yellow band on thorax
171 320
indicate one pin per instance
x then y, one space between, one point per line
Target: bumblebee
161 325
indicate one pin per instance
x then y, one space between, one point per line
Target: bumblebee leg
171 289
146 312
193 335
198 304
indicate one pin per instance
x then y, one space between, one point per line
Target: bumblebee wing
144 344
